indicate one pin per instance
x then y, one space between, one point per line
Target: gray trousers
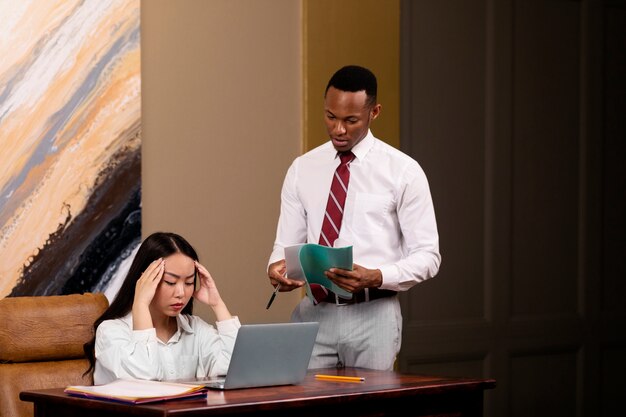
365 335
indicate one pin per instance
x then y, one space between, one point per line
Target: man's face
347 116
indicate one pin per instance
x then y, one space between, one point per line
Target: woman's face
176 286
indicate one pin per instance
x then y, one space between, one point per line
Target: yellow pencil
341 378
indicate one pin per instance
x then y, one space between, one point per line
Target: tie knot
346 157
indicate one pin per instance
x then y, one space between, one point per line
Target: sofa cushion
18 377
47 327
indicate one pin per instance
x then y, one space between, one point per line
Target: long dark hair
157 245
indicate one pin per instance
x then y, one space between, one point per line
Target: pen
269 303
341 378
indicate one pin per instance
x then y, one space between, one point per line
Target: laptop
268 354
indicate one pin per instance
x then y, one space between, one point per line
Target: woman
149 332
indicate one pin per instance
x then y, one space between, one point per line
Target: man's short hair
353 78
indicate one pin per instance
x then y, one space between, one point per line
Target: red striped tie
334 212
336 200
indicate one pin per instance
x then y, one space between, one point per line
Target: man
388 218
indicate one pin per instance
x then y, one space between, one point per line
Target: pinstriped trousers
366 335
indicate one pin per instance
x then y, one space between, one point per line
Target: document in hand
309 261
133 391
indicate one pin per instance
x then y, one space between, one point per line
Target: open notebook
135 391
268 354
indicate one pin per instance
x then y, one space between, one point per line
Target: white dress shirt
388 218
197 349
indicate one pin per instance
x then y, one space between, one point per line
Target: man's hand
276 273
357 279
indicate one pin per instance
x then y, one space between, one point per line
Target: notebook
268 354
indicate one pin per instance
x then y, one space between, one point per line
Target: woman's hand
145 288
147 284
207 292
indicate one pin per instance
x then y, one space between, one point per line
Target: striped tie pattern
334 212
336 200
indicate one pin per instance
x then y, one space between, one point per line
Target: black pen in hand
269 303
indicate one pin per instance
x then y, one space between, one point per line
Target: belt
368 294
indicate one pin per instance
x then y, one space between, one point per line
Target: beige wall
351 32
221 114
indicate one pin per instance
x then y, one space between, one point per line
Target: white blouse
197 349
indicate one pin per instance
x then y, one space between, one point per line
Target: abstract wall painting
70 144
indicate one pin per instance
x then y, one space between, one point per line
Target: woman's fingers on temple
158 264
154 270
203 271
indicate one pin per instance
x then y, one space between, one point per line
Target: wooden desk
382 393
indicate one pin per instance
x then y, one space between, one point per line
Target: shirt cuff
277 255
229 325
390 277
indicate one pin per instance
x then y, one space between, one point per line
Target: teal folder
309 261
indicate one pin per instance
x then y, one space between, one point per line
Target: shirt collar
362 148
182 321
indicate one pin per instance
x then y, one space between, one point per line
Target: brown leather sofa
41 345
